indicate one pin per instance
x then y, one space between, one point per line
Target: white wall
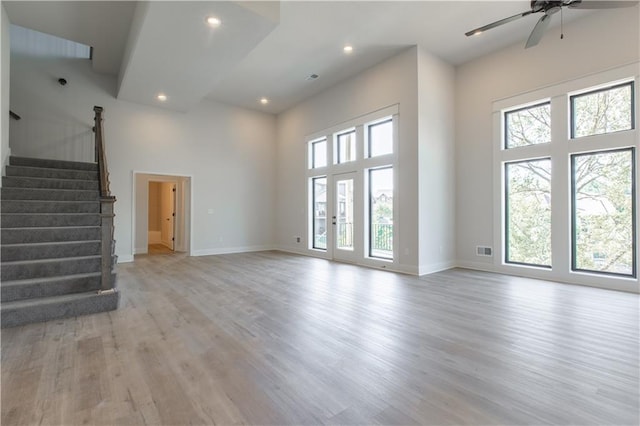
154 206
5 58
229 152
436 95
391 82
605 39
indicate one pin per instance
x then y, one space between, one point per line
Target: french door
346 217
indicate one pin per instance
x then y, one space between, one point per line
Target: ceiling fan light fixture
212 21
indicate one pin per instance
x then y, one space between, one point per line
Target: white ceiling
266 48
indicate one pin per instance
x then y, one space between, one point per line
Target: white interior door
347 217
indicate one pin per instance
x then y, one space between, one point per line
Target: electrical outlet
297 239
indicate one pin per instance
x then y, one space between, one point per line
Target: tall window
319 203
350 196
528 212
602 187
527 196
381 213
579 217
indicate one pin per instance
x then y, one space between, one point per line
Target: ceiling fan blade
497 23
602 4
538 31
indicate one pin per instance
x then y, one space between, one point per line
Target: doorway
346 217
162 214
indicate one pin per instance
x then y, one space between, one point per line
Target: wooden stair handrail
106 207
101 157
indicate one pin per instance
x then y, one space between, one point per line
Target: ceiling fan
549 8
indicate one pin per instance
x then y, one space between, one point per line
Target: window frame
369 213
616 85
313 214
560 149
312 153
368 144
359 166
505 129
337 136
506 215
634 235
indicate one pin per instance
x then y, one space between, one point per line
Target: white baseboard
141 250
126 258
436 267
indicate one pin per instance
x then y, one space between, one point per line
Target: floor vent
484 251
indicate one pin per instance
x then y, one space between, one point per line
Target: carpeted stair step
49 234
48 308
49 250
40 268
48 194
52 164
50 286
38 206
42 220
48 173
31 182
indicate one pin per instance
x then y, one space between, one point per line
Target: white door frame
184 186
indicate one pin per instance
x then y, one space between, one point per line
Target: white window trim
560 150
360 165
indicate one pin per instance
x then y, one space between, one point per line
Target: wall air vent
484 251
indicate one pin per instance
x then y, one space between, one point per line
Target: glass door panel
346 220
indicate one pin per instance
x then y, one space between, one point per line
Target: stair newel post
106 204
107 215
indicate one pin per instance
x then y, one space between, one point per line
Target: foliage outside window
603 212
528 212
528 126
602 111
599 217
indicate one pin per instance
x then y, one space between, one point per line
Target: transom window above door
345 150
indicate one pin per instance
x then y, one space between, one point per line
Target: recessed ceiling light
213 22
348 49
264 101
161 97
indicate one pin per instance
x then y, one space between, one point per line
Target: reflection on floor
159 249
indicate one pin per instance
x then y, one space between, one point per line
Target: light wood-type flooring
155 249
271 338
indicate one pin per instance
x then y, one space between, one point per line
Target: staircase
56 233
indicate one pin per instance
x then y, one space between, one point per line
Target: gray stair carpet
50 247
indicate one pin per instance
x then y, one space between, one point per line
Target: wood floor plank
272 338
